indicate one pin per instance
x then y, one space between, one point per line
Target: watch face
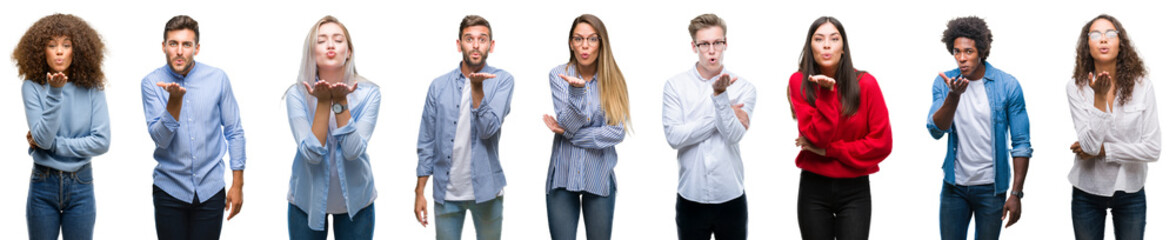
337 108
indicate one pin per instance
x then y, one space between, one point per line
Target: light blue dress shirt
439 125
189 150
310 176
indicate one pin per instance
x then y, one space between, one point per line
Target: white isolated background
403 45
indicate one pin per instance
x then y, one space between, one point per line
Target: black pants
726 220
829 208
179 219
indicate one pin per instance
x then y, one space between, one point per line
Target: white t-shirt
973 123
461 181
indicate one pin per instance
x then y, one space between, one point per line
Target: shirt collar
177 76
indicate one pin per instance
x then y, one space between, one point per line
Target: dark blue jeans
957 204
192 219
563 213
360 227
1089 213
61 201
833 208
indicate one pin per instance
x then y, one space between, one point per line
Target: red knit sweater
855 144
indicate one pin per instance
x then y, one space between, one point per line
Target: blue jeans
61 201
1089 213
957 204
451 216
563 213
187 219
362 226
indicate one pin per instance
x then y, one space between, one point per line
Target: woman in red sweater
844 133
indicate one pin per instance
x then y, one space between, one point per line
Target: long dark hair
1128 67
847 76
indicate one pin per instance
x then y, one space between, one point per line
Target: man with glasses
193 118
458 139
980 108
705 112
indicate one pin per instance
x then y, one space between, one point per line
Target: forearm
946 113
238 179
343 118
420 187
1020 169
174 104
321 119
476 95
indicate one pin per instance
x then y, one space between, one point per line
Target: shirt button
450 140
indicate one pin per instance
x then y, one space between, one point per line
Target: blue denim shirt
1008 116
189 150
439 125
310 176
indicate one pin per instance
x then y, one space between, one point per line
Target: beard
188 63
470 62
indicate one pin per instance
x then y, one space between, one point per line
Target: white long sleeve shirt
705 131
1129 133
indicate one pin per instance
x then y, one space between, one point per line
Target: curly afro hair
970 27
88 49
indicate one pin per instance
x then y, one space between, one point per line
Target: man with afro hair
979 107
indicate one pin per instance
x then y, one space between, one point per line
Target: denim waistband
46 169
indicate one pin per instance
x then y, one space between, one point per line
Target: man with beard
192 130
458 139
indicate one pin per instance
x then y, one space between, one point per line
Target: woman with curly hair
1113 106
60 57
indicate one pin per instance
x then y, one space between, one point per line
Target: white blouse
1130 135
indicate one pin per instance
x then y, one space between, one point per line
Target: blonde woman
591 115
332 112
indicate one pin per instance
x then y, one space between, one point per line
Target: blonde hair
614 93
308 71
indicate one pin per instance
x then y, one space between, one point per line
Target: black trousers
177 219
726 220
829 208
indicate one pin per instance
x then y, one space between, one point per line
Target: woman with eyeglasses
844 131
591 117
1113 106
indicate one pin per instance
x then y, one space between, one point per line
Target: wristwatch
1020 195
338 108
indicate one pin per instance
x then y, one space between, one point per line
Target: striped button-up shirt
583 157
189 150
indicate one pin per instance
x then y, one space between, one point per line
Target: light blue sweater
70 124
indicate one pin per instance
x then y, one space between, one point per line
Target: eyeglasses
1109 34
592 41
717 45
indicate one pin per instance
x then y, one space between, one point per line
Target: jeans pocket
84 176
37 176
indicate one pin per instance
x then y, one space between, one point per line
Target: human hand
552 124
